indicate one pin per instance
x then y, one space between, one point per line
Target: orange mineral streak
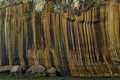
76 45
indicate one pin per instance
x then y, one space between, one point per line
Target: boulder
36 69
51 72
17 70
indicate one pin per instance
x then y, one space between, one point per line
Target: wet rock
36 69
51 72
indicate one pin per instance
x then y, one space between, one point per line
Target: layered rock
5 69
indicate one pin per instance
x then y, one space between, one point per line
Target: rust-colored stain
84 45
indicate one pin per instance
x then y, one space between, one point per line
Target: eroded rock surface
5 69
36 69
51 71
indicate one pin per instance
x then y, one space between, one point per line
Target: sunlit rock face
83 45
4 3
14 69
75 4
39 5
17 69
75 7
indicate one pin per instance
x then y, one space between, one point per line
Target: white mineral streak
56 8
40 4
75 4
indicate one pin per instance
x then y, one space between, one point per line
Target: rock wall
84 45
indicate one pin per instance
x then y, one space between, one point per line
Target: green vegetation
52 78
6 76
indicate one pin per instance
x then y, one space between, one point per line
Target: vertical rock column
20 34
46 27
1 37
113 30
116 28
7 61
34 38
66 53
3 54
55 39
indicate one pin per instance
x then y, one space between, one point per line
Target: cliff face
84 45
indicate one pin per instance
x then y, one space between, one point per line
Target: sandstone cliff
81 45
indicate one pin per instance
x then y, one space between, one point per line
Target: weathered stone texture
78 45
